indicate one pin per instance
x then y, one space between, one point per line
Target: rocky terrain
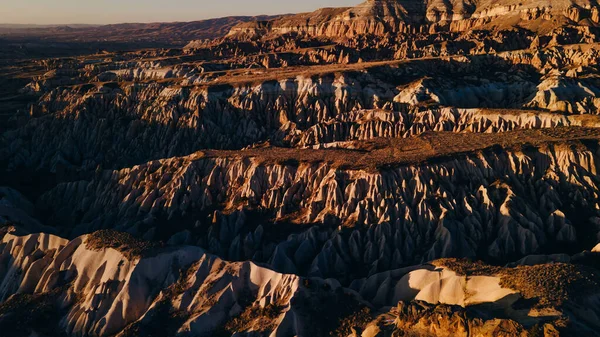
398 168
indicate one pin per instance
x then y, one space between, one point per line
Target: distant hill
29 26
160 34
380 17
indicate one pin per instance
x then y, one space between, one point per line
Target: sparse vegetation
123 242
378 153
412 318
467 267
255 318
357 320
552 284
547 284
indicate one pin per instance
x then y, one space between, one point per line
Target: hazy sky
115 11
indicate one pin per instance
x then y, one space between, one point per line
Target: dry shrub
123 242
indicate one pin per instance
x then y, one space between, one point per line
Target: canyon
397 168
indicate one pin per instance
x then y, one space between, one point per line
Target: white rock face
432 285
106 291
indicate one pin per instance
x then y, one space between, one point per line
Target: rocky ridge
108 292
499 204
380 17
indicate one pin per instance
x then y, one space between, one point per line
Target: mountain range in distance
169 33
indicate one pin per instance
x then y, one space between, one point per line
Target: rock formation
109 284
380 17
398 168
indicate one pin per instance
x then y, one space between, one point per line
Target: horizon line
34 25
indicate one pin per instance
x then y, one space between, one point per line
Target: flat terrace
380 153
253 76
245 76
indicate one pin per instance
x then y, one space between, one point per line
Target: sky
45 12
